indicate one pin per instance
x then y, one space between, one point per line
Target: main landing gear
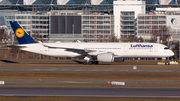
91 62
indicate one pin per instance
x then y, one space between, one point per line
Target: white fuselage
118 49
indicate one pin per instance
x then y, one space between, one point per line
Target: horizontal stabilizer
15 47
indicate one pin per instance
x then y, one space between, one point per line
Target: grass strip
88 76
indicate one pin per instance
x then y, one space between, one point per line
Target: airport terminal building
66 25
154 22
92 20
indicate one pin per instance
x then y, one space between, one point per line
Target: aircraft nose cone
172 53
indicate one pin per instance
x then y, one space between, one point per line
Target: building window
99 22
100 17
140 22
155 17
106 27
99 27
154 22
107 18
162 17
162 22
140 17
106 22
85 17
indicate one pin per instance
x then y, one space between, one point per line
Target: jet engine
105 57
109 57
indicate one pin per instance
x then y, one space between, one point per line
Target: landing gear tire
93 62
96 62
167 63
85 63
90 62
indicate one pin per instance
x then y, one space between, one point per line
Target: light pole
12 39
117 31
73 30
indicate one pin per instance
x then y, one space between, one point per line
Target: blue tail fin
21 35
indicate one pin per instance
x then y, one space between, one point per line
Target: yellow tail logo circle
19 32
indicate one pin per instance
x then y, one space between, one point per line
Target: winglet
21 34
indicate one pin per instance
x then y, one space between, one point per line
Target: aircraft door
151 51
77 46
41 48
125 48
155 48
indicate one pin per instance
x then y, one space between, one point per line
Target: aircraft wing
76 50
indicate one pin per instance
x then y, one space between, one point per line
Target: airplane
92 53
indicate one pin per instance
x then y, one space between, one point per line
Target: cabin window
166 48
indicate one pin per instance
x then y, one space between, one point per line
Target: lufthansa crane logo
19 32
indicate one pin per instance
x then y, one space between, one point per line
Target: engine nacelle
105 57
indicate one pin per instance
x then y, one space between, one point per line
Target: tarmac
129 92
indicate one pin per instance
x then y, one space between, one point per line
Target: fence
24 56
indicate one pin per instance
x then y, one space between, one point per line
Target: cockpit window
166 48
